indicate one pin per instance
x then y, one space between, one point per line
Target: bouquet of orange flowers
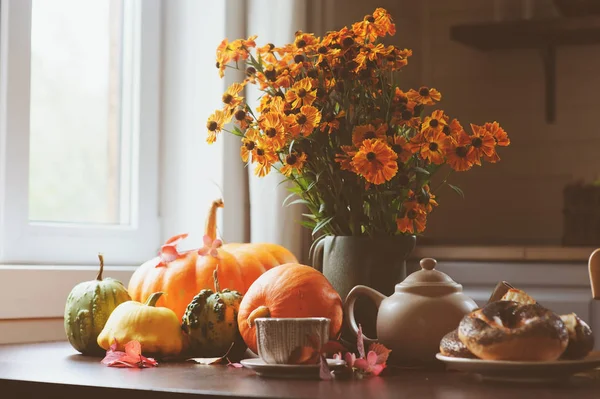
332 118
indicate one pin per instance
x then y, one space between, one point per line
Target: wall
519 200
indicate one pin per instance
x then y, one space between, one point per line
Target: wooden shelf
503 253
529 33
543 34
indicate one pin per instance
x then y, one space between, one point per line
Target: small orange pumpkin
289 290
183 275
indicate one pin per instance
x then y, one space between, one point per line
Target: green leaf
322 224
288 198
237 131
307 223
322 208
421 170
299 201
457 190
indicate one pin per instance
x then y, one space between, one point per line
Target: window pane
77 145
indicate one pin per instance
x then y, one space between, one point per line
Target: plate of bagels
514 338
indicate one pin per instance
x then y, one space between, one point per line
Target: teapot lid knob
428 263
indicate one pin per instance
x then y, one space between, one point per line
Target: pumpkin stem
261 311
217 287
99 276
211 221
152 299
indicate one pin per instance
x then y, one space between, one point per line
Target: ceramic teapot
411 322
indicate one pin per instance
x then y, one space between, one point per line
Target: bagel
507 330
451 346
519 296
581 338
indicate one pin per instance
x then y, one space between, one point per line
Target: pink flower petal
175 239
361 364
372 358
214 253
377 369
168 253
207 240
203 251
133 348
120 363
217 243
350 358
111 357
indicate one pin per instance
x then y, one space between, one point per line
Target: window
79 106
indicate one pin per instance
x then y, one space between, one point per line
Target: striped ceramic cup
276 338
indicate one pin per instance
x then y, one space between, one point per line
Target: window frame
24 242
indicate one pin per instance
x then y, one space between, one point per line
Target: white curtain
274 21
194 173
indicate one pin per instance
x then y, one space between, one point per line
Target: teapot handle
594 273
354 293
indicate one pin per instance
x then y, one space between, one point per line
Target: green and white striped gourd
88 306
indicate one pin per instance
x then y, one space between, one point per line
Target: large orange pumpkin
289 290
183 275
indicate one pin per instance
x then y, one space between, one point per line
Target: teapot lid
428 278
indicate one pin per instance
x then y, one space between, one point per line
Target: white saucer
288 370
514 371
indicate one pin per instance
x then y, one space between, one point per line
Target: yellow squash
158 330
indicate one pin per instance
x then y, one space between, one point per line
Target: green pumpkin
88 306
210 320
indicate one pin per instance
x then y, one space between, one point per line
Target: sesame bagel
581 338
507 330
451 346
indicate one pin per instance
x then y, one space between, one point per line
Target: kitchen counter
55 370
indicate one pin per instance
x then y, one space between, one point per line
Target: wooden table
55 370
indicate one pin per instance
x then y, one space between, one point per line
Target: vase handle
315 254
353 295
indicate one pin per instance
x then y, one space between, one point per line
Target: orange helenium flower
430 146
453 129
375 161
336 100
413 221
426 199
306 120
498 133
331 122
435 122
230 98
482 144
242 118
424 96
301 93
215 125
249 142
270 124
264 158
345 159
235 51
293 162
400 147
457 151
366 132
